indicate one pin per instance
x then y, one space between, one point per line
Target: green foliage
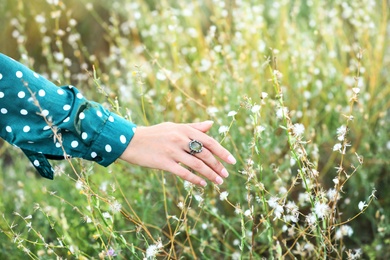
279 78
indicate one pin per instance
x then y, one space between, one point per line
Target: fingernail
209 121
231 159
203 183
218 180
224 173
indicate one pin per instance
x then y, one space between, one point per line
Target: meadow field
299 92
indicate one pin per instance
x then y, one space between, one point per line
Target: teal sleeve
33 108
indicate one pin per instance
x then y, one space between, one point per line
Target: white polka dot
134 129
99 114
79 96
41 93
123 139
93 155
108 148
70 86
24 112
36 163
66 107
1 94
46 128
66 120
81 115
111 118
1 76
58 145
21 94
84 135
19 74
26 129
45 112
36 75
60 92
4 111
8 129
74 144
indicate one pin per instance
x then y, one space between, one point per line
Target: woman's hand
166 146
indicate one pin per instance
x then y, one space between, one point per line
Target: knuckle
216 164
197 165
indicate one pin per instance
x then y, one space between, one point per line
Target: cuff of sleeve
112 141
40 163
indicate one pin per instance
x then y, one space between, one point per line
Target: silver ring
195 147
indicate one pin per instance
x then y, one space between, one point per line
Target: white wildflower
212 111
309 247
273 202
278 74
298 129
205 65
255 109
278 211
292 161
344 230
107 215
198 198
180 205
59 56
115 206
188 185
40 19
29 226
223 129
218 48
337 147
232 113
259 129
79 184
152 250
291 207
311 219
223 195
321 209
236 256
341 132
333 194
292 210
161 76
264 95
362 205
356 90
247 213
354 254
87 219
281 112
238 210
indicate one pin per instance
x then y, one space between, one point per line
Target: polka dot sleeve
32 109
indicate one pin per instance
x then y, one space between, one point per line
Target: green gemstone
196 146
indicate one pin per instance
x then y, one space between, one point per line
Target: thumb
202 126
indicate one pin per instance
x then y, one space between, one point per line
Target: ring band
195 147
